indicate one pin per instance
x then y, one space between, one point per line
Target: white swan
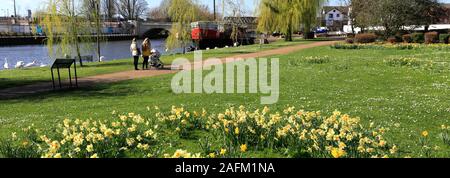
6 65
19 64
30 64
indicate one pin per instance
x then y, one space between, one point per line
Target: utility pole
215 17
15 12
223 9
97 8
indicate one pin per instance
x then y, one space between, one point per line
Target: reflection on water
110 50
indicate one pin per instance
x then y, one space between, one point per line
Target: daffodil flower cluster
233 133
445 135
183 154
181 121
399 46
129 134
336 136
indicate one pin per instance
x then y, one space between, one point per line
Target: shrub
350 40
418 37
392 40
366 38
444 38
431 37
407 38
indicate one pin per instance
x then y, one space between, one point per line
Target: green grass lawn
14 78
405 99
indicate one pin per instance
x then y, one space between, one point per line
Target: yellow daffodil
90 148
425 133
243 148
57 155
212 155
14 135
94 156
223 152
337 153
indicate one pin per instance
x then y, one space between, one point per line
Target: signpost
64 64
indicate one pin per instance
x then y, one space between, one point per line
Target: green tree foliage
287 16
68 32
63 30
394 15
182 13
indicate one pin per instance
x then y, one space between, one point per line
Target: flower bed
399 46
231 134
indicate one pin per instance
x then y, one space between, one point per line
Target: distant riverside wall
30 40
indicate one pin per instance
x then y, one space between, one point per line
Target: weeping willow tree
67 33
287 16
92 13
182 13
236 10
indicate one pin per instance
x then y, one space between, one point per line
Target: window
338 15
330 16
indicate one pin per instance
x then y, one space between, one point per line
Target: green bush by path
418 37
407 38
444 38
366 38
431 37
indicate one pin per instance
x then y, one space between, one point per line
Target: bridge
149 29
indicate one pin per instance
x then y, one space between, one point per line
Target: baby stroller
155 60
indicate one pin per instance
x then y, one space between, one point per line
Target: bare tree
87 9
132 9
235 9
160 13
108 8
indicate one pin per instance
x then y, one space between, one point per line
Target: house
335 17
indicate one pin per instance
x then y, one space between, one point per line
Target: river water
112 50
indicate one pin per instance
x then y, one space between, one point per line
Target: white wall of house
334 15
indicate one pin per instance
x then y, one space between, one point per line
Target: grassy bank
375 85
20 77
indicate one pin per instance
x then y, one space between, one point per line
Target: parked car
321 30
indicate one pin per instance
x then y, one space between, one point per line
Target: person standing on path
135 53
146 52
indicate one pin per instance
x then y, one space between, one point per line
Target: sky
23 5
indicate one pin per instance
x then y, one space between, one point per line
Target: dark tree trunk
289 33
